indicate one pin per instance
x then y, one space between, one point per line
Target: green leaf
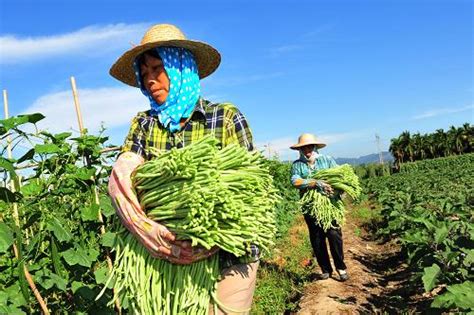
458 295
108 239
33 118
6 237
11 310
16 121
441 233
468 259
90 213
75 285
59 282
14 295
101 275
7 165
46 148
31 189
85 173
106 206
62 136
429 277
60 229
93 254
77 257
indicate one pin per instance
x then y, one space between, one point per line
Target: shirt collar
199 111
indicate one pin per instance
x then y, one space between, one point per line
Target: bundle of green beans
210 196
329 210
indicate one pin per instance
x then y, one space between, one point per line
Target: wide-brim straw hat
307 139
206 56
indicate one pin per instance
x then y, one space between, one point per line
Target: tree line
412 147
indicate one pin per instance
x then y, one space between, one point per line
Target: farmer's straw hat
307 139
206 56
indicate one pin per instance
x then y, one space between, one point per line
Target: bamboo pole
96 193
28 277
76 104
9 152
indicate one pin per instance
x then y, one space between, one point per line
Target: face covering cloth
184 89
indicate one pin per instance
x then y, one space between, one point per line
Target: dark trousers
318 236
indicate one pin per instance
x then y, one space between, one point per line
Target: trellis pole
96 193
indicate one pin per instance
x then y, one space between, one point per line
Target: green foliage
287 208
58 238
457 295
429 209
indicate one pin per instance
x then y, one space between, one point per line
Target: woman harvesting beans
167 68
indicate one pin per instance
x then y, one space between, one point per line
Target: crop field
58 227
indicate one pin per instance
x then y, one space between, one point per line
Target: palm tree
467 135
419 147
440 142
407 145
397 152
429 141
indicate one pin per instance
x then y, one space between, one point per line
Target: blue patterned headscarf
184 90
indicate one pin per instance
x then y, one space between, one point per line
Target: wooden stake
28 277
76 104
96 193
9 151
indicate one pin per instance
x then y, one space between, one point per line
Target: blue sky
343 70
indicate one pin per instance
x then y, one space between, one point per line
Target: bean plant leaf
458 295
430 276
73 258
101 275
85 173
75 285
78 256
31 189
90 213
6 237
7 165
108 239
59 282
16 121
14 295
106 206
47 148
60 229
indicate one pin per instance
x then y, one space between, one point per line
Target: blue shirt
301 171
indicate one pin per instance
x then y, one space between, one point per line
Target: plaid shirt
223 120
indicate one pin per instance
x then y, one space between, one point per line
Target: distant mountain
371 158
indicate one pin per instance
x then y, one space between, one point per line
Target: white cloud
281 147
442 111
91 39
113 107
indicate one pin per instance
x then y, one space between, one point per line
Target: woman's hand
327 189
155 237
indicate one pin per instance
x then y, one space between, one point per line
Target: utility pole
377 140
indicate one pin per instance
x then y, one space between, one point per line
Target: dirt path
367 263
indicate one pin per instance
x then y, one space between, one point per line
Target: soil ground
377 280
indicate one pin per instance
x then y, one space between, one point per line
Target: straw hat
206 56
307 139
